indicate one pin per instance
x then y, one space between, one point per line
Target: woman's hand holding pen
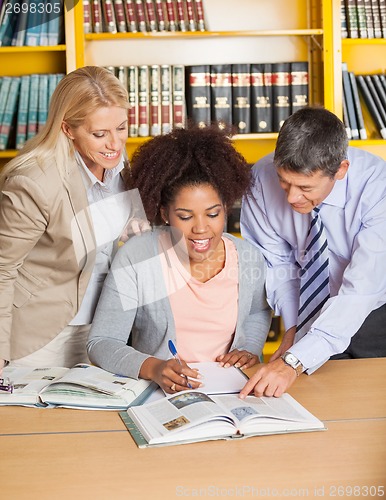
170 375
239 359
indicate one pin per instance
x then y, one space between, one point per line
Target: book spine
132 77
42 101
178 85
376 19
87 26
166 99
43 40
191 15
181 17
364 90
382 79
376 98
22 114
141 18
352 19
281 75
9 114
122 75
346 121
32 35
343 20
160 13
33 107
241 97
51 86
18 36
379 89
5 86
170 9
151 19
131 18
358 108
109 16
382 15
369 19
96 16
221 94
361 15
54 24
350 102
198 95
261 97
120 16
200 15
143 101
155 101
299 85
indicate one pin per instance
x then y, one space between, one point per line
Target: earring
166 222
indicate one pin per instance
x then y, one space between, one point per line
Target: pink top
205 314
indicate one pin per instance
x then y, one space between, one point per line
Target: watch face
291 359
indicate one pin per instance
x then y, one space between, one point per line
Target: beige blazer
47 253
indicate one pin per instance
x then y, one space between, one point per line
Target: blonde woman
61 207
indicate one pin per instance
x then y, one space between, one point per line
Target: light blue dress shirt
354 216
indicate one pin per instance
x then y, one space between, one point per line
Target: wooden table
61 453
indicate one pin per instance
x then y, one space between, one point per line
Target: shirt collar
90 178
337 197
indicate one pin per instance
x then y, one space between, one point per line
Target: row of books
254 98
24 104
363 18
31 24
112 16
369 89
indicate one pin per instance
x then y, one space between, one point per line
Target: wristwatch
292 361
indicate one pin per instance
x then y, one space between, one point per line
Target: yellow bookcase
239 31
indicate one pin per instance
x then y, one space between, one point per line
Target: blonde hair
77 95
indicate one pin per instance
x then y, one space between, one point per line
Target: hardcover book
143 101
191 15
132 77
369 19
155 100
376 19
171 14
369 101
200 15
82 387
352 19
96 16
166 99
8 119
382 15
42 101
198 96
221 94
160 9
87 25
108 14
281 93
131 16
241 97
358 108
376 98
178 85
299 85
261 98
33 106
349 97
141 17
361 15
343 20
192 416
22 113
150 15
346 121
120 16
181 15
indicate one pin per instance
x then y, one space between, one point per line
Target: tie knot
316 211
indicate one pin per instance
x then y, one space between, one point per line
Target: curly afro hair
187 157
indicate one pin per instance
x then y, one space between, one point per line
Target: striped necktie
314 286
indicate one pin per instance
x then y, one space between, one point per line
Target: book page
219 380
28 382
177 413
99 380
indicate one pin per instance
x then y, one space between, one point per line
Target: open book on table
83 386
191 416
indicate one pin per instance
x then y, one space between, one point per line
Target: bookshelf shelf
201 34
9 153
28 50
363 41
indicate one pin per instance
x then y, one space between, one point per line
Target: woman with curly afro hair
186 280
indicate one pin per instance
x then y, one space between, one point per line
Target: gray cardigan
134 320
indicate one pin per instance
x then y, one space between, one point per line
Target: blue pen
173 350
